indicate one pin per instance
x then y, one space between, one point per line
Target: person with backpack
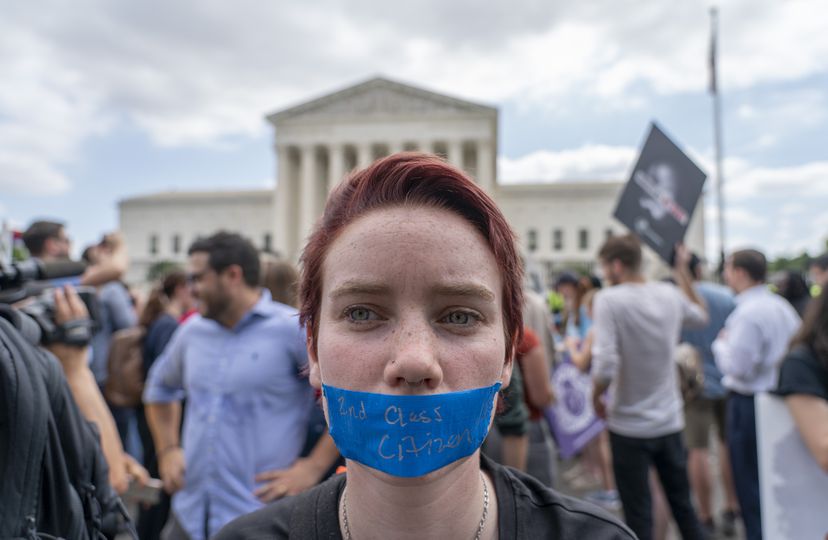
116 313
707 411
55 476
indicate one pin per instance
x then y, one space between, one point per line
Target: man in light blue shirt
748 351
241 367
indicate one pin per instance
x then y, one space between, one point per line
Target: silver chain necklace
480 526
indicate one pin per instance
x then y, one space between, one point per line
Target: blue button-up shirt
248 404
720 304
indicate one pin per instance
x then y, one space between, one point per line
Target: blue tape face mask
409 436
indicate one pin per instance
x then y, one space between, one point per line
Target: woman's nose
413 365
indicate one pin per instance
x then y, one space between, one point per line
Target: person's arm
697 317
738 348
112 265
581 357
164 420
606 357
302 475
536 377
85 391
598 403
162 404
810 413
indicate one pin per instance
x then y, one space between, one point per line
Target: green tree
160 269
798 263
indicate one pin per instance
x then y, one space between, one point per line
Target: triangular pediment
380 97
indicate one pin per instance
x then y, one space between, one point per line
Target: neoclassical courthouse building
560 224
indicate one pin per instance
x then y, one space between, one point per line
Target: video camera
34 280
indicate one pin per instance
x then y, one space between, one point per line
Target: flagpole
717 132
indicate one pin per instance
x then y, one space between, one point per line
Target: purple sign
572 418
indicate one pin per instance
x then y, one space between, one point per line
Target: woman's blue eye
460 317
359 314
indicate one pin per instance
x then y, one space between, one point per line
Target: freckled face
411 304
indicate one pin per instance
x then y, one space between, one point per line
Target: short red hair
413 179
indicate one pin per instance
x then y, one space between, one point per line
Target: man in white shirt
637 325
748 351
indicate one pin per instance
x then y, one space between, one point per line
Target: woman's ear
314 376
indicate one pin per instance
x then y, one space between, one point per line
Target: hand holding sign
662 193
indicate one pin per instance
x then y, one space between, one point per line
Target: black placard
661 194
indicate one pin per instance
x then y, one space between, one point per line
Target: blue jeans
631 461
744 460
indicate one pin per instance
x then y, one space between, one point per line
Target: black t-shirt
803 373
526 509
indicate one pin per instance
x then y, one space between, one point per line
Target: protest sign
792 486
572 418
661 194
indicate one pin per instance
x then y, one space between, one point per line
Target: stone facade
560 224
162 226
318 142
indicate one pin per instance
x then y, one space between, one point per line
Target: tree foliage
161 268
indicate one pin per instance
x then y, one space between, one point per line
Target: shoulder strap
26 406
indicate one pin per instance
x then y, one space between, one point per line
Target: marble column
395 147
308 195
365 155
455 153
285 228
485 165
336 165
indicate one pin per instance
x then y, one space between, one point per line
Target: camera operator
47 240
122 467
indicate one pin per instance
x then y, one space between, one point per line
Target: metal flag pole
717 132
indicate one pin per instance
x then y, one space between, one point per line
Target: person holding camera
47 241
85 391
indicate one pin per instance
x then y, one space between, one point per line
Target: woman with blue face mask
411 297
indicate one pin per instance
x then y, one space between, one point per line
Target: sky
103 100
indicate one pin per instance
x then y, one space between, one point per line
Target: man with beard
637 325
240 366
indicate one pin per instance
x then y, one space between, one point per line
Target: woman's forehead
422 243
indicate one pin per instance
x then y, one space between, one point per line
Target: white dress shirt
755 338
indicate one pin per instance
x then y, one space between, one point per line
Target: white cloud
25 174
204 73
780 116
589 162
744 181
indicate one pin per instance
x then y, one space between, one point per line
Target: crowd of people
352 399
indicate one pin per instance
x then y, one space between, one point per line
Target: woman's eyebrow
465 289
354 287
